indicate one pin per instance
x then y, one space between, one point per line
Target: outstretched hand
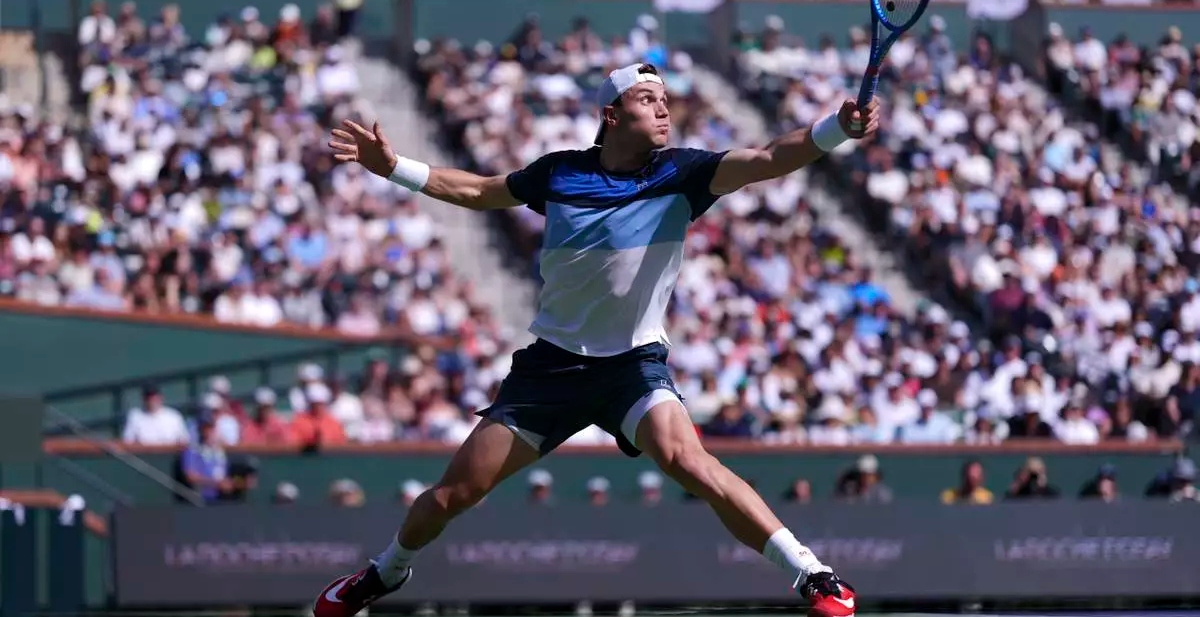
369 148
859 123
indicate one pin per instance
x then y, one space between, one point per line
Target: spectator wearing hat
650 488
896 408
863 483
970 489
597 490
306 374
830 428
154 423
267 427
931 426
1074 428
541 485
203 466
1032 482
285 494
347 493
228 426
1183 478
1103 486
316 427
1028 423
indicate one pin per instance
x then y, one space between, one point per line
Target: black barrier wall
251 555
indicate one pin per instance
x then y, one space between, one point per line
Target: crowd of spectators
1078 264
196 181
1142 95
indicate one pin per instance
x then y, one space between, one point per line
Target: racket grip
866 92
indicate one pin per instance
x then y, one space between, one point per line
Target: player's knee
458 497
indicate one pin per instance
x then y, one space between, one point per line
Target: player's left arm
794 150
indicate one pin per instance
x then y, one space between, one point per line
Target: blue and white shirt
613 243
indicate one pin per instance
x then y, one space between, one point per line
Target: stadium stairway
750 124
474 244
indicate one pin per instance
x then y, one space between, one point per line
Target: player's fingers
346 158
358 129
337 145
343 135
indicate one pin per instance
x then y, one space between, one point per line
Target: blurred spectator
540 485
731 421
267 427
228 424
204 466
930 427
346 493
863 483
830 429
1028 423
650 488
1075 428
799 492
1032 482
1183 477
597 490
285 493
154 423
983 428
1103 486
315 427
306 375
409 491
970 489
243 478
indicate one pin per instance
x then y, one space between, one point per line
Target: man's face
641 115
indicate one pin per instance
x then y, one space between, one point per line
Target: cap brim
599 141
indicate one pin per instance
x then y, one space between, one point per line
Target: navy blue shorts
551 394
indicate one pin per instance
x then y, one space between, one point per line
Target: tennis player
616 216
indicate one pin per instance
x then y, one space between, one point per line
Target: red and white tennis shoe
349 594
829 596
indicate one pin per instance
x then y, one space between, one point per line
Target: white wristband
410 174
828 134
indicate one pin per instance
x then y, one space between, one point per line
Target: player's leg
663 430
492 453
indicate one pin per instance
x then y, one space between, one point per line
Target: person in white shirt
931 427
1075 429
155 424
830 429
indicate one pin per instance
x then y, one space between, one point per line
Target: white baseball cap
618 82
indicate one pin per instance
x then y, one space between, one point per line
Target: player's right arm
371 149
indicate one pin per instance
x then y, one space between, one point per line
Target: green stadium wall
913 474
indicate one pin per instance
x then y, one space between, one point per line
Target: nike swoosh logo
846 603
332 594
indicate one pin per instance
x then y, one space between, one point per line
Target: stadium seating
1077 263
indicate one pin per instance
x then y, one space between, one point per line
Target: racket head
898 15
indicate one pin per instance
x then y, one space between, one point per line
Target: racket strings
900 13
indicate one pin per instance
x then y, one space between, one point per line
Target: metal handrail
90 478
130 460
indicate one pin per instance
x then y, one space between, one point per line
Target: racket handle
866 92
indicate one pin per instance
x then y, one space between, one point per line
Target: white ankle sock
392 562
785 551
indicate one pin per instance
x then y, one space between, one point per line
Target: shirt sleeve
696 171
530 185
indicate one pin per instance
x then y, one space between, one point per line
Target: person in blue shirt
616 217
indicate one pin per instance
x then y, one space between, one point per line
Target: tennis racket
896 17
